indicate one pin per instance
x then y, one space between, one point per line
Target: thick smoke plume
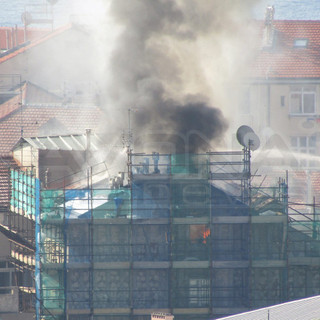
171 62
179 128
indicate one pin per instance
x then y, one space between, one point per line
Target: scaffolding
188 236
20 231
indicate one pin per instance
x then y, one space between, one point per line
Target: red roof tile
10 106
39 112
303 185
283 59
31 94
32 119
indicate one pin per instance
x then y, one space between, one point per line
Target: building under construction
185 234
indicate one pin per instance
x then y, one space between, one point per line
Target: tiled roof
303 185
38 111
41 112
12 37
33 119
284 59
315 182
31 94
34 43
9 106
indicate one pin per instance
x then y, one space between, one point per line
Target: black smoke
155 69
185 128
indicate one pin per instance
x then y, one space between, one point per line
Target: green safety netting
52 291
170 219
85 203
23 190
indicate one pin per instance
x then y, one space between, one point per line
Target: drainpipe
16 35
25 33
88 146
12 37
268 96
7 40
268 105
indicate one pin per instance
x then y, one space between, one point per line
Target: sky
11 10
293 9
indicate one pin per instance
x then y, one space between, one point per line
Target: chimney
268 35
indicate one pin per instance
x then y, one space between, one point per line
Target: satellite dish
247 138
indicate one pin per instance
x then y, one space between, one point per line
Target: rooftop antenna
52 3
269 26
36 16
127 137
251 142
127 143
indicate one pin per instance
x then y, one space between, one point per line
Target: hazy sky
294 9
11 10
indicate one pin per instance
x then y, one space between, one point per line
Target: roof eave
283 80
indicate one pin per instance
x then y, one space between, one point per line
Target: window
302 100
304 144
199 292
300 43
199 233
5 279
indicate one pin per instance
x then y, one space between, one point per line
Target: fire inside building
181 234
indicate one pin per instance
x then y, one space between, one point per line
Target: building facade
187 235
280 96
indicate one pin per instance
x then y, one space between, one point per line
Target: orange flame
205 235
